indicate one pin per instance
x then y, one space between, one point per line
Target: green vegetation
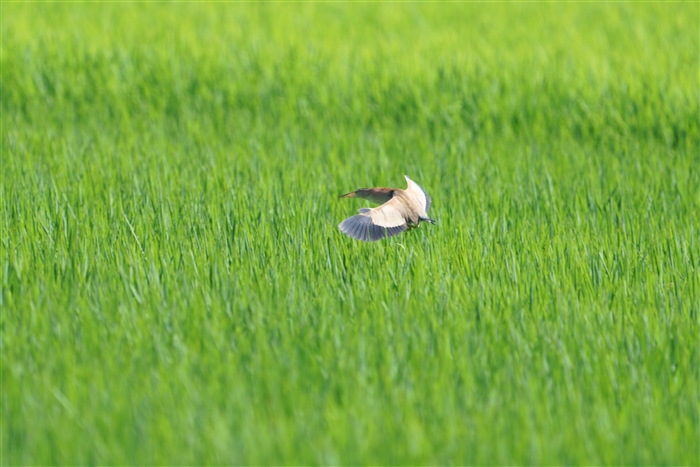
175 289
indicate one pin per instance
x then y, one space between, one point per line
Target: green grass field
175 289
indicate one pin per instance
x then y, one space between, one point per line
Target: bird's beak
407 177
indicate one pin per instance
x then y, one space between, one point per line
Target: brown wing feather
375 195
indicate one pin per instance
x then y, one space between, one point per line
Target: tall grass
175 289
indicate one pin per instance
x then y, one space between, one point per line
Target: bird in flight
400 210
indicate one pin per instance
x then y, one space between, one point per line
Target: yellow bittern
400 210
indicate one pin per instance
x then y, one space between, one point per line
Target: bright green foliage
175 289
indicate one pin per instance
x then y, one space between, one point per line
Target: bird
400 210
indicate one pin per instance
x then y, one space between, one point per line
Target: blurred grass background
175 289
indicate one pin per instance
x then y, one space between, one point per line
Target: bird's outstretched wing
419 192
374 224
375 195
